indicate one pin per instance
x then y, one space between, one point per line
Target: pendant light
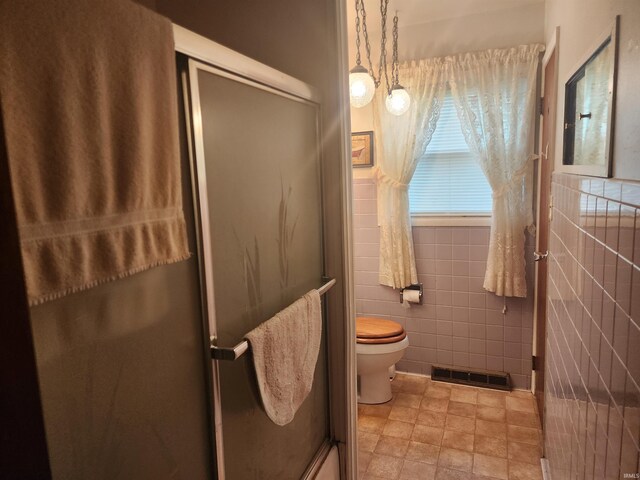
363 82
398 101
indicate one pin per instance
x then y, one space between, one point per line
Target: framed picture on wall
362 149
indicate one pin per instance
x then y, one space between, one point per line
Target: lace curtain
400 141
494 92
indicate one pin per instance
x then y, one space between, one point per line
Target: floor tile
437 391
458 440
523 434
367 441
370 424
431 419
368 476
495 447
424 434
520 393
403 414
422 452
460 424
464 394
490 466
397 429
455 459
491 429
524 471
524 452
462 409
491 414
414 384
434 404
448 474
492 399
391 446
364 458
520 404
432 430
381 411
417 471
410 400
522 419
385 467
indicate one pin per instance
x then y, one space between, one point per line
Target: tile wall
459 324
592 392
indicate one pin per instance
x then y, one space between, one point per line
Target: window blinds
447 180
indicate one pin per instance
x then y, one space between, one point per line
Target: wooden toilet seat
370 330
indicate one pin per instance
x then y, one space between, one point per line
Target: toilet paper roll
411 296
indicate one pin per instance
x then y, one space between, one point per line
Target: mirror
588 111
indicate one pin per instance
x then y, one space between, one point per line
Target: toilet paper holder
414 287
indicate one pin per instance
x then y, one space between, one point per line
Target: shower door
257 169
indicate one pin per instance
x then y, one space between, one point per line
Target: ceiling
412 12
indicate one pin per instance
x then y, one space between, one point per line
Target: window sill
421 220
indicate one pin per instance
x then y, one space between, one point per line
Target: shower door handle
537 256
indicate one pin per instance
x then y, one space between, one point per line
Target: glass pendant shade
398 102
361 87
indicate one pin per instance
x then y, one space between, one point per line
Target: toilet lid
378 330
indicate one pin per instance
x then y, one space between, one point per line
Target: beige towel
285 350
89 101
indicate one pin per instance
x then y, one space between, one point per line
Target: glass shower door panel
265 214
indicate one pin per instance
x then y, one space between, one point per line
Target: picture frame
362 149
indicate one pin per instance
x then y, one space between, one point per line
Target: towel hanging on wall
89 101
285 351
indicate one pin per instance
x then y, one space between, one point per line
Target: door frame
341 335
545 169
23 443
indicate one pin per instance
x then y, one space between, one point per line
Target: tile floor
434 430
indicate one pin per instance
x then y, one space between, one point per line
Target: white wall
581 22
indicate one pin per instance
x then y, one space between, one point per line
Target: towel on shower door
89 102
285 350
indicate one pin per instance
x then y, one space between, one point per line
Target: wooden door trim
542 214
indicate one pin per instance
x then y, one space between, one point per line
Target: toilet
381 344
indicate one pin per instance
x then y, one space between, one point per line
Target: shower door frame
218 59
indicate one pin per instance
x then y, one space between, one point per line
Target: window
447 180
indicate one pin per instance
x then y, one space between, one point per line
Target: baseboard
546 473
